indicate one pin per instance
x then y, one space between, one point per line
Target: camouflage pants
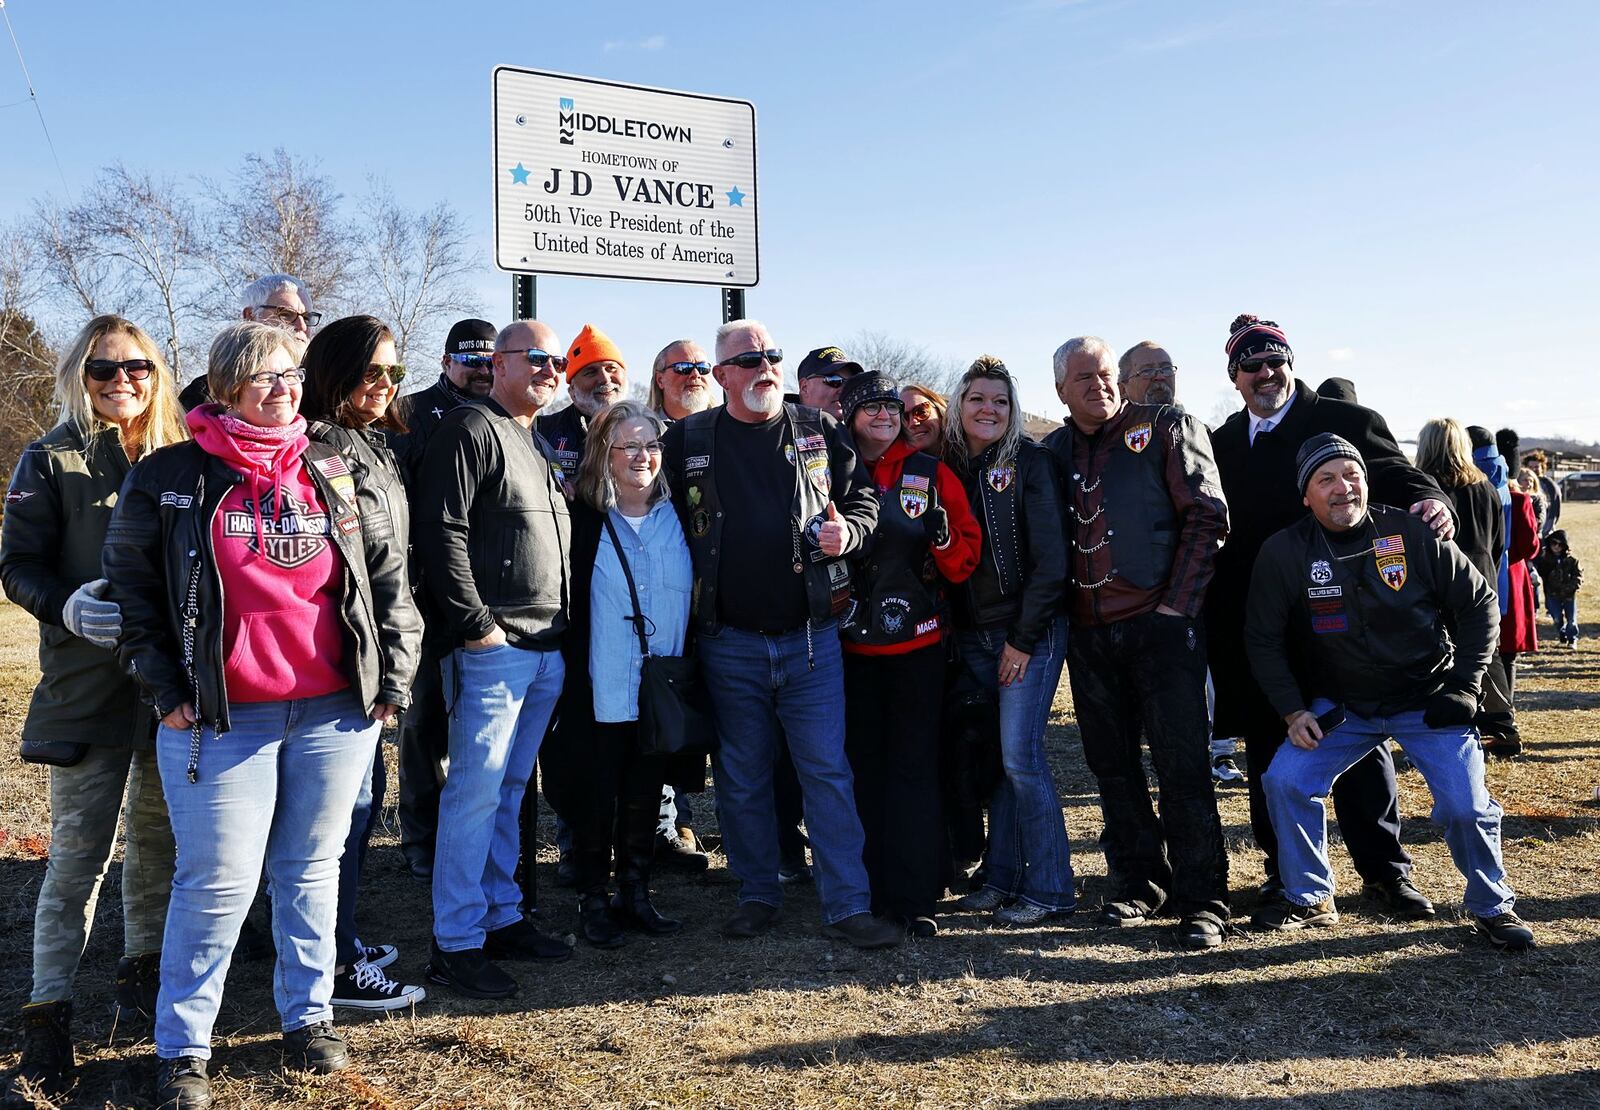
85 802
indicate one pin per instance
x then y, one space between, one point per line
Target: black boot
47 1066
138 984
597 924
633 908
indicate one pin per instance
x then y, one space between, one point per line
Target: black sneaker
1402 899
522 940
47 1066
182 1084
378 955
316 1048
138 984
1506 932
1284 915
364 986
470 973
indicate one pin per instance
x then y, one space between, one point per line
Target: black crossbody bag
674 711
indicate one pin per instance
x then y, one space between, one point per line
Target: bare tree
906 362
277 215
26 360
413 268
78 280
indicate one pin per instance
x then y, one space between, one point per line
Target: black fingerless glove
1447 709
938 526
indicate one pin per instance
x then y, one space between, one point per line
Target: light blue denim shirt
659 558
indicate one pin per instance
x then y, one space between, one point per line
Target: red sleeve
959 558
1524 529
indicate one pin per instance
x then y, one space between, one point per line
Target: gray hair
594 471
242 349
256 293
1091 345
660 364
736 325
1125 363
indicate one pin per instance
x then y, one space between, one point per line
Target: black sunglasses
684 369
832 381
475 361
1272 362
105 369
752 359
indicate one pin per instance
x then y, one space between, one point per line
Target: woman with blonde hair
118 402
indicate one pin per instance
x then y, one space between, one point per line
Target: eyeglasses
1159 370
635 450
395 371
105 369
477 362
832 381
289 315
540 359
876 408
752 359
1272 362
684 369
295 375
921 412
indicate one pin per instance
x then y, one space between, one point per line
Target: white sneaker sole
410 996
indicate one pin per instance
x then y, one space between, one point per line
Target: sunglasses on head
396 372
684 369
105 369
477 362
750 360
1271 362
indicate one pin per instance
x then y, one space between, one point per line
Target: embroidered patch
1321 572
1389 545
348 524
927 626
914 481
696 463
694 496
1316 592
811 443
788 453
818 471
892 614
1000 477
19 495
1392 569
1137 438
175 500
699 522
1330 622
913 503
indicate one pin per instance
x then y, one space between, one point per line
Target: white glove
89 615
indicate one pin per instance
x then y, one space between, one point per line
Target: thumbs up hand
833 534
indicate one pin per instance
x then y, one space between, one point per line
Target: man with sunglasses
493 537
680 381
596 376
773 500
822 375
1255 452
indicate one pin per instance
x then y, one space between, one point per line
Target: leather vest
996 500
896 597
827 580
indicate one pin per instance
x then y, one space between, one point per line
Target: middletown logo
570 121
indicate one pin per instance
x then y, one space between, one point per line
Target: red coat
1517 631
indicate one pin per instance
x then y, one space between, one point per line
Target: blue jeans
1564 615
363 819
500 700
1451 762
1027 855
758 682
278 786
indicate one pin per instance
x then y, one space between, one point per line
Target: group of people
875 581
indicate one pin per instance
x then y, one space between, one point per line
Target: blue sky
1408 188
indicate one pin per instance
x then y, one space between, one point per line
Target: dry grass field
1368 1013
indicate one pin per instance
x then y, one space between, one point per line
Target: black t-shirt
757 588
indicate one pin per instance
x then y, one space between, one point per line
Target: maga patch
1137 438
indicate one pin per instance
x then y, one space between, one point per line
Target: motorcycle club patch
1137 438
1321 572
892 614
913 502
1392 569
1000 477
334 469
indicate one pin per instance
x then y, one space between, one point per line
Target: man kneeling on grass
1386 631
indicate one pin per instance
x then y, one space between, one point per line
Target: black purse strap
633 591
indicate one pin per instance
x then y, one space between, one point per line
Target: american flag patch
914 481
1389 545
332 467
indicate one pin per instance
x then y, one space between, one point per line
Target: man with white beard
596 377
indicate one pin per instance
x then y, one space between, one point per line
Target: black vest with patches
896 598
827 580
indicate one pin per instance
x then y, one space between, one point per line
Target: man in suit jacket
1255 453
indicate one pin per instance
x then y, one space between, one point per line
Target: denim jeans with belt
759 682
1451 762
500 701
278 786
1028 856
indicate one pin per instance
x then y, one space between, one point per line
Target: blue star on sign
519 176
735 198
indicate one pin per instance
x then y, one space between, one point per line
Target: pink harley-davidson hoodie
281 575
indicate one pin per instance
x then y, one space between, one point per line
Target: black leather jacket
1021 580
160 539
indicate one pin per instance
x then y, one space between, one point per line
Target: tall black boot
637 811
47 1066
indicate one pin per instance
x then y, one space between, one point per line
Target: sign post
599 179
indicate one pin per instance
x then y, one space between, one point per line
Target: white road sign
598 179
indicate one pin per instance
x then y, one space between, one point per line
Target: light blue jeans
1028 856
279 787
1297 784
759 684
500 700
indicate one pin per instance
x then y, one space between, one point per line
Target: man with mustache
773 500
680 381
596 377
1146 375
1255 451
1147 517
1362 624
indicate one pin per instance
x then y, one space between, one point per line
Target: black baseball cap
470 337
827 360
